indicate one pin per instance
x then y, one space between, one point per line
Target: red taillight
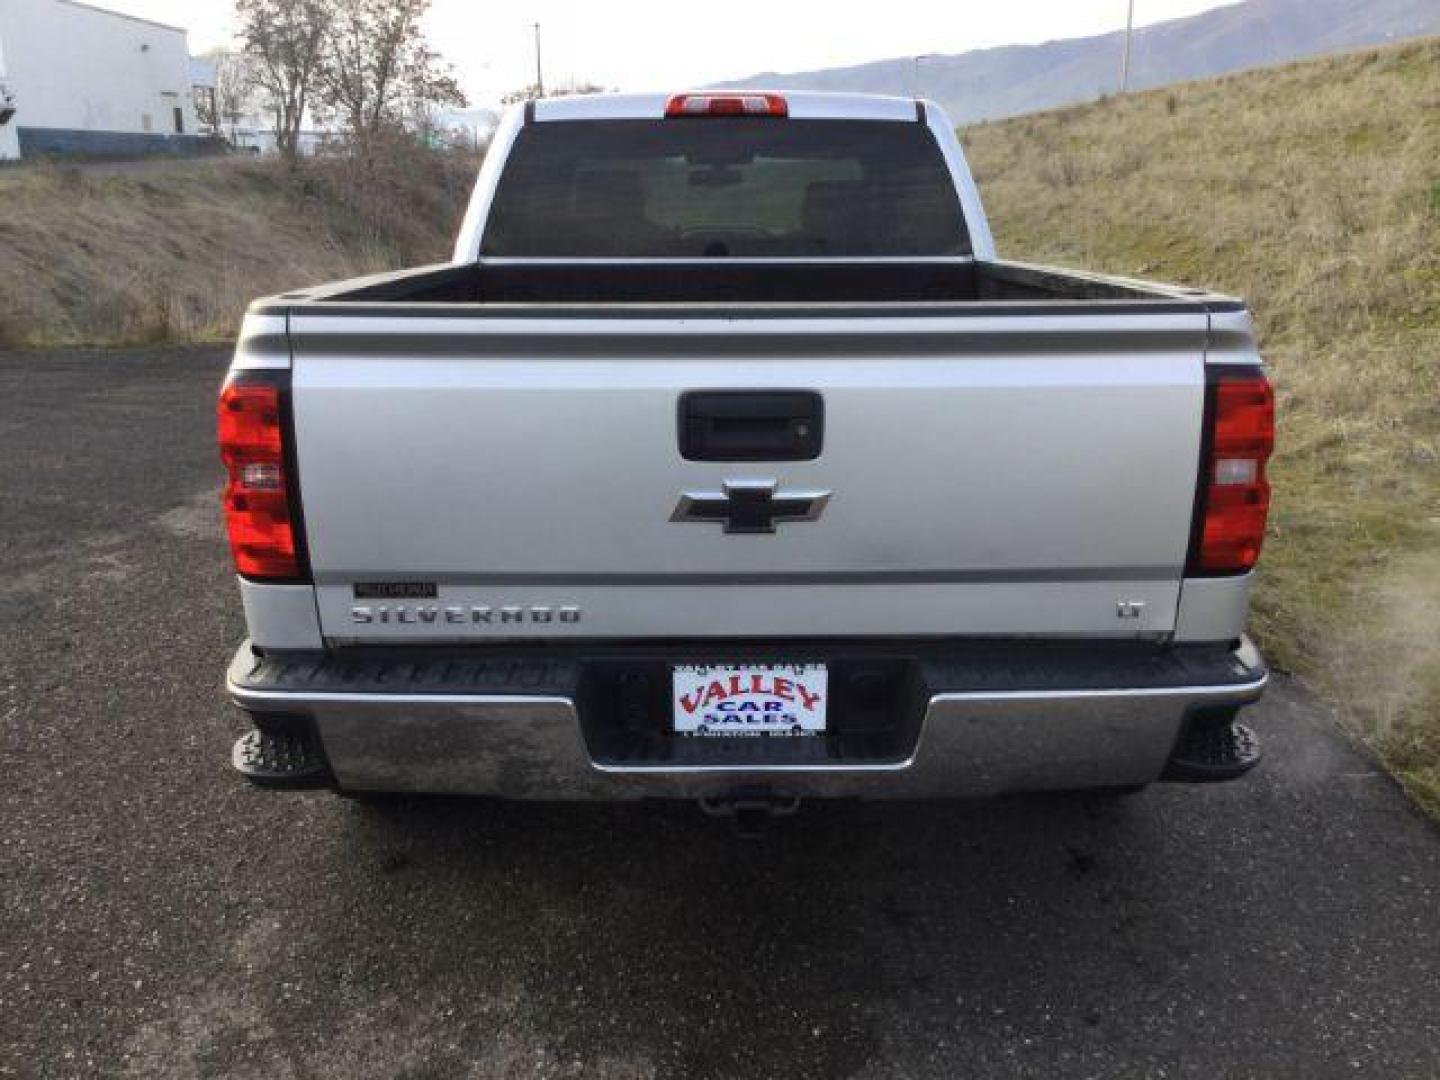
738 103
257 495
1235 495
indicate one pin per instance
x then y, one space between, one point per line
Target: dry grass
1314 192
175 252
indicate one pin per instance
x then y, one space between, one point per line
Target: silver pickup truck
726 460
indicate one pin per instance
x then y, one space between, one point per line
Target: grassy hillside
174 251
1313 191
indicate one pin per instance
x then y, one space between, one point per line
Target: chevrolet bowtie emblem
750 506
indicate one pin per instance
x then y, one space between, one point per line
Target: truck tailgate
478 476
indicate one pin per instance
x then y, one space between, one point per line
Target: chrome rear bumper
389 729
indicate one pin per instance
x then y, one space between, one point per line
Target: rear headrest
831 209
609 193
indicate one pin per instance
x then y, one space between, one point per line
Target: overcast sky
672 45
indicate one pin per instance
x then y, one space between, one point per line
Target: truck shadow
655 928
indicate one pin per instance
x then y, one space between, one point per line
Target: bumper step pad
1214 752
277 760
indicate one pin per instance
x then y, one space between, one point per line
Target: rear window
734 187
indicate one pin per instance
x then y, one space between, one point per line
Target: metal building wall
9 126
90 81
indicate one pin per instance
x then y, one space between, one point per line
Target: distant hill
1015 79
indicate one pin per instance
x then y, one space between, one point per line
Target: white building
9 138
83 80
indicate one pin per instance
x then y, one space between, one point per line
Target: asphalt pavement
160 919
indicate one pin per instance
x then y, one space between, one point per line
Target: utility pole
1125 63
915 74
539 76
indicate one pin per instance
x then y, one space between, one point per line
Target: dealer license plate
750 699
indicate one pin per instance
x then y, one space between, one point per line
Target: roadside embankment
174 251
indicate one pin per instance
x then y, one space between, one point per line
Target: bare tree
533 91
525 93
378 70
285 39
207 108
233 95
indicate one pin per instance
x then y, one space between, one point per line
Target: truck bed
981 431
716 283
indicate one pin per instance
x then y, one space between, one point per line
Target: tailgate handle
751 425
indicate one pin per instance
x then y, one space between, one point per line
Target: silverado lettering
399 613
